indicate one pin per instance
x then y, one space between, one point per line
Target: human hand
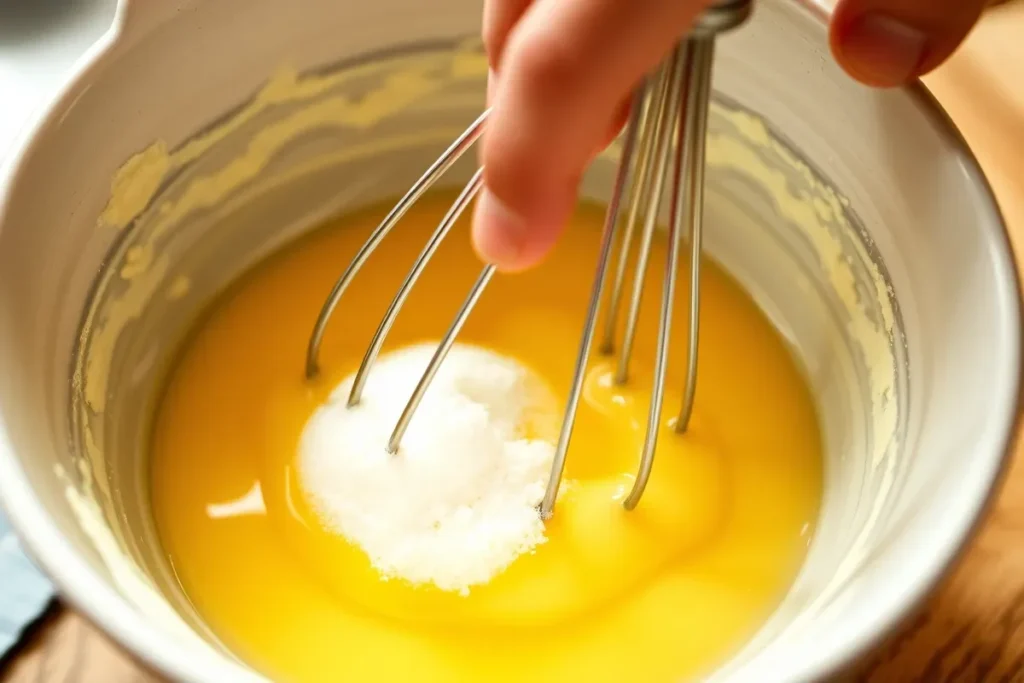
562 72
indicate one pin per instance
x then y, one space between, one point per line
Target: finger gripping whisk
664 140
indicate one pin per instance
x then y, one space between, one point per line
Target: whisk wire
639 195
439 355
444 227
667 123
677 123
583 357
701 49
661 142
425 181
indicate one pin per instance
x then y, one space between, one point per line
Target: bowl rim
82 586
77 583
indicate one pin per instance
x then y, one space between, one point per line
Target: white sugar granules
458 502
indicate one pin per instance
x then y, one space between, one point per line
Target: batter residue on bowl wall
148 280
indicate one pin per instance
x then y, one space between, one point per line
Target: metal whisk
668 118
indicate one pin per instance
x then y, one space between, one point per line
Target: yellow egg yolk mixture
665 592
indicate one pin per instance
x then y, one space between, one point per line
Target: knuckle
544 63
492 36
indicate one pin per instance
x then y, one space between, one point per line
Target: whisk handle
721 16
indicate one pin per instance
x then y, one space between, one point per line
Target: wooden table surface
973 628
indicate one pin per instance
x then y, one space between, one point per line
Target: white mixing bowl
183 149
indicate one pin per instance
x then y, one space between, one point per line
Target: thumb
564 71
887 43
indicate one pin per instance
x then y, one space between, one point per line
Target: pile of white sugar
458 502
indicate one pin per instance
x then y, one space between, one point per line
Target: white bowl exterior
905 174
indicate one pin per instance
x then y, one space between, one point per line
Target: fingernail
883 51
499 234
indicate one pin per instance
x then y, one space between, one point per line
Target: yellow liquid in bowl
663 593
